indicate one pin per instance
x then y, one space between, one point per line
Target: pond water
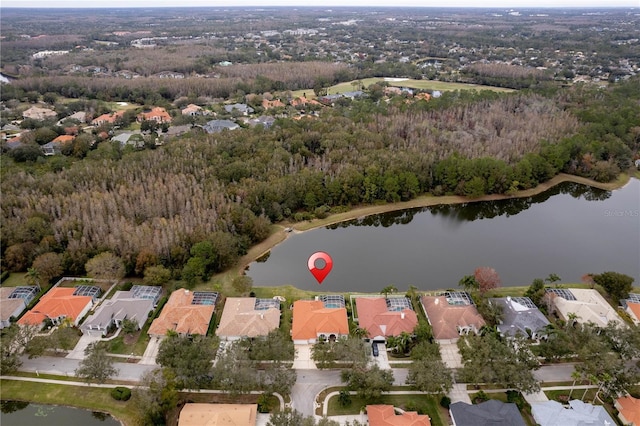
569 230
17 413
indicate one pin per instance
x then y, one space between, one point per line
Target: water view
570 230
18 413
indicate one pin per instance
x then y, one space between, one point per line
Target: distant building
14 300
216 126
192 110
37 113
242 108
157 114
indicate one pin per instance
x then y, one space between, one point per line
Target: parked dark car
374 349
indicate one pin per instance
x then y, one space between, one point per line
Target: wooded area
151 207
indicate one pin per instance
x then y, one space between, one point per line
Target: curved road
308 385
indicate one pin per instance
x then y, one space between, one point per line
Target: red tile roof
181 316
58 302
635 309
311 318
157 114
374 316
385 415
64 139
107 118
445 318
629 408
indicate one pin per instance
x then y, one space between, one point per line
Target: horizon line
323 7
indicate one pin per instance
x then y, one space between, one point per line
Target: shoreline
280 234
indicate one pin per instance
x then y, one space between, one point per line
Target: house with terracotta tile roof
248 317
628 410
632 307
451 316
186 313
586 304
55 146
276 103
108 118
201 414
381 319
302 101
157 114
58 304
385 415
313 320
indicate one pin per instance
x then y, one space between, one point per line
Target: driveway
382 360
85 340
302 360
451 355
150 353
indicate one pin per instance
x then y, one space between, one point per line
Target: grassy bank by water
95 399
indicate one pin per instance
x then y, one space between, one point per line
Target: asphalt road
309 382
67 367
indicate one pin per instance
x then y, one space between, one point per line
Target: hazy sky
328 3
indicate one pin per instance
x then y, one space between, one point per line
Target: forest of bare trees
255 78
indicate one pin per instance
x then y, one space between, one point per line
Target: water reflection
10 406
468 212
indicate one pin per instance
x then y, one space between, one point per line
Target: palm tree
412 293
388 289
33 276
572 318
404 339
576 375
360 333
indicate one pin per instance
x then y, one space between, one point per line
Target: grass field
414 84
96 399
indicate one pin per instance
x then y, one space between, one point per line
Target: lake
569 230
17 413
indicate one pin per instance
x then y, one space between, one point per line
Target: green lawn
96 399
442 86
424 404
15 279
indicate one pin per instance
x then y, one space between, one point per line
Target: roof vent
437 301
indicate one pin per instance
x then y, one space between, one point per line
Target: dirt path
280 233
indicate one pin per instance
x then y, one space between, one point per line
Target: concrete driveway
451 355
302 359
382 360
150 353
85 340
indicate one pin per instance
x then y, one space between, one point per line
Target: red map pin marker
320 273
